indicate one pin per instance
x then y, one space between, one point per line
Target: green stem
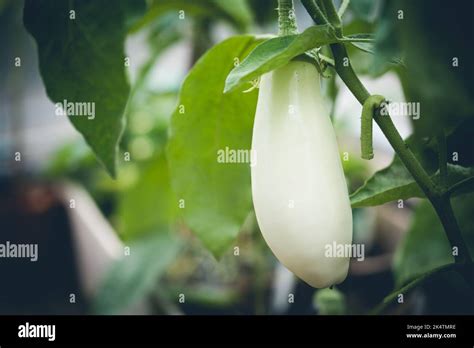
332 16
459 185
388 300
286 18
315 11
443 159
440 202
343 7
368 111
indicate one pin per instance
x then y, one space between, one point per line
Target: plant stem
459 185
443 159
332 16
438 199
286 18
315 11
343 7
441 204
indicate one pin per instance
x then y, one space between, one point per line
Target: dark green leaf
134 11
426 246
277 52
216 195
386 49
133 277
405 289
82 61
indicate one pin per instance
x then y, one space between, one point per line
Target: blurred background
99 252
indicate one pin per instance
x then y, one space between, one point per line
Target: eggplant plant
252 134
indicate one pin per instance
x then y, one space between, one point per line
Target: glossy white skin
298 186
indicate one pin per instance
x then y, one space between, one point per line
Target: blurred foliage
135 275
426 245
264 11
148 206
236 12
433 78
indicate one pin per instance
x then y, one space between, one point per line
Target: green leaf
216 196
82 61
276 52
370 47
426 246
395 182
148 205
389 184
133 277
387 51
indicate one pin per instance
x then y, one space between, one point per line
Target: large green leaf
426 246
216 196
133 277
277 52
148 206
82 61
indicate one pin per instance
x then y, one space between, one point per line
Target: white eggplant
299 190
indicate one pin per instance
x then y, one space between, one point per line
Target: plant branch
440 202
459 185
408 287
332 16
343 7
443 159
315 11
286 18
